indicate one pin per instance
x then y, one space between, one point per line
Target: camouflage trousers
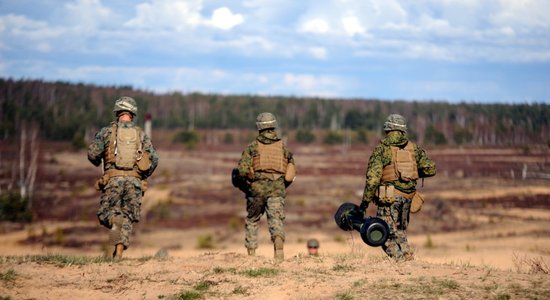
120 205
397 217
256 206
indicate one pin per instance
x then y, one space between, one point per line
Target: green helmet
313 243
125 104
395 122
265 121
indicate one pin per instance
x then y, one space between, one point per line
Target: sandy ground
503 260
476 238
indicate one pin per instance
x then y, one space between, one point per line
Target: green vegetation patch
8 276
65 260
260 272
57 259
220 270
418 288
348 295
240 290
14 208
189 295
343 268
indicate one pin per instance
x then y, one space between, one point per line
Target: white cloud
27 33
318 52
316 25
224 19
352 26
313 85
508 31
169 14
88 14
522 13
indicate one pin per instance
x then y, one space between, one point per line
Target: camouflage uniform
120 199
397 213
264 194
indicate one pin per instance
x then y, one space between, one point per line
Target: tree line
69 112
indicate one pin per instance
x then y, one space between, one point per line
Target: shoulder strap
111 146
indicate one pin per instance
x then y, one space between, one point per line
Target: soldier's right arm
96 149
374 173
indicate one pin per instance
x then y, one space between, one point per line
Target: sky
487 51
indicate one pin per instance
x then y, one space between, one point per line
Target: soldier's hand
363 207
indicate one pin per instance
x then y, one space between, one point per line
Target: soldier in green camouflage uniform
121 191
395 213
266 189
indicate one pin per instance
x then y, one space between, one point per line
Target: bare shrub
530 265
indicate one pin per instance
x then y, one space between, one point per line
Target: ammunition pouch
290 174
417 202
386 194
143 162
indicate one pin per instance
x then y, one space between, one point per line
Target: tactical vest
403 165
270 159
125 147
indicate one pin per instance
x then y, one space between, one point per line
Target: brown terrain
484 232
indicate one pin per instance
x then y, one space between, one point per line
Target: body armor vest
270 159
403 164
125 147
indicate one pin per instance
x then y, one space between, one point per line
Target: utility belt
102 182
387 194
270 176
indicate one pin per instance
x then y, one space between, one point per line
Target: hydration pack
125 149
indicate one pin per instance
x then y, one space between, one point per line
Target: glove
363 207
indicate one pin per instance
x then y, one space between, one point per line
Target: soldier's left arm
153 155
426 166
97 147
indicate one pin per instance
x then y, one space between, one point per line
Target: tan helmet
395 122
265 121
125 104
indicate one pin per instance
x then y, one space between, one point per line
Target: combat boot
278 244
251 251
117 254
116 227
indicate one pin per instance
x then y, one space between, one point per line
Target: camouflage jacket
261 185
381 157
96 150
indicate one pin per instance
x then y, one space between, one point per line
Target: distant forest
67 112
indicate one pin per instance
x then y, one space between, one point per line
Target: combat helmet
395 122
313 243
266 120
125 104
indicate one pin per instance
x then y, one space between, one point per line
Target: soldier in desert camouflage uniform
268 166
392 172
128 160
